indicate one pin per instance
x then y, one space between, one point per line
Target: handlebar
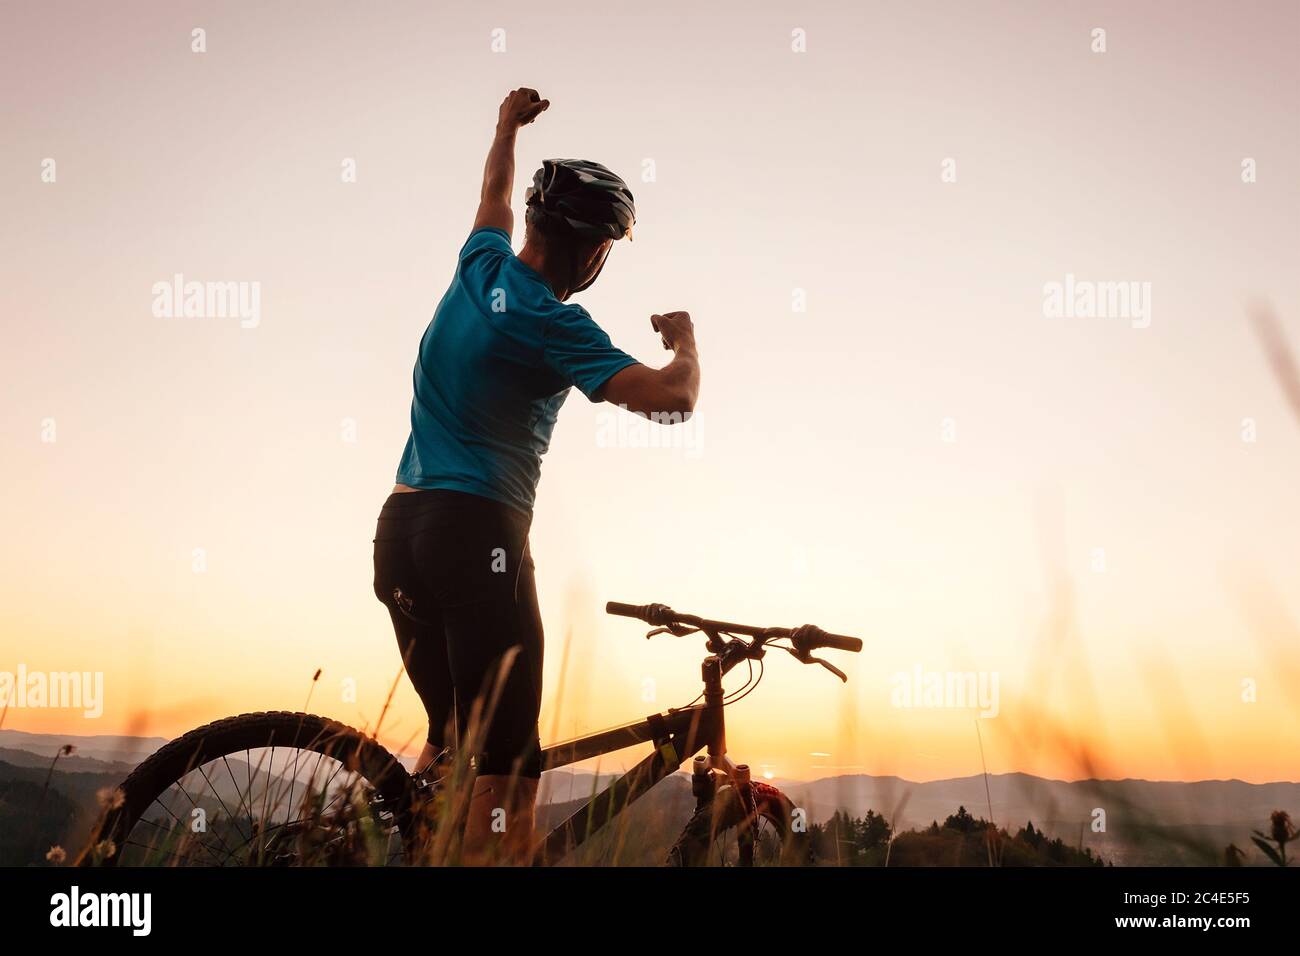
806 638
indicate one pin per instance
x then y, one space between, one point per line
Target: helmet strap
573 271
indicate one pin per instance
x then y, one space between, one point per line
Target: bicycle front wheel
736 828
268 789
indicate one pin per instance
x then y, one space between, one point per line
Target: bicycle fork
704 769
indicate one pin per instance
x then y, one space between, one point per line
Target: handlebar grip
810 638
625 610
657 614
842 643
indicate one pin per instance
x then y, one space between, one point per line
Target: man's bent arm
671 390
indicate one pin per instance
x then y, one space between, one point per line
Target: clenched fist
519 108
675 329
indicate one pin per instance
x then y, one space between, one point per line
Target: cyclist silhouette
504 347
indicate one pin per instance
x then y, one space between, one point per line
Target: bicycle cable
733 695
749 687
744 690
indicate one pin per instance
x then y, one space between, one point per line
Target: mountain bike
331 795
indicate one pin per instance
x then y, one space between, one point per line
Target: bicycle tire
234 735
726 812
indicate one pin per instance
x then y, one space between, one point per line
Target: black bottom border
358 905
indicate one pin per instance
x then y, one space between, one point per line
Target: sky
862 206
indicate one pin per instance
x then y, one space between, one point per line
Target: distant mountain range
23 758
1145 822
1017 797
107 748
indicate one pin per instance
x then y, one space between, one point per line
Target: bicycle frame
677 736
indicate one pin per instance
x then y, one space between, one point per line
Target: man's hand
519 108
676 330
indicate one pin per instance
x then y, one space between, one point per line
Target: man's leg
421 639
501 822
496 647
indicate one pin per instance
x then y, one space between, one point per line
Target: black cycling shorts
455 572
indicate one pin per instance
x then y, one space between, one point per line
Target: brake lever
677 630
831 667
806 658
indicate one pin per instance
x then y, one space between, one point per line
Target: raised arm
671 390
519 108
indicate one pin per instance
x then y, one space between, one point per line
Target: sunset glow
895 440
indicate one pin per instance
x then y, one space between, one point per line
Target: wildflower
1283 829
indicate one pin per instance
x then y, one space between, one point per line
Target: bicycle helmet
584 197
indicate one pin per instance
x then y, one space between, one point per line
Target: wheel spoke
230 816
341 791
243 797
269 777
195 806
181 824
331 780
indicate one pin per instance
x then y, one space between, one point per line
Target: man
452 562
